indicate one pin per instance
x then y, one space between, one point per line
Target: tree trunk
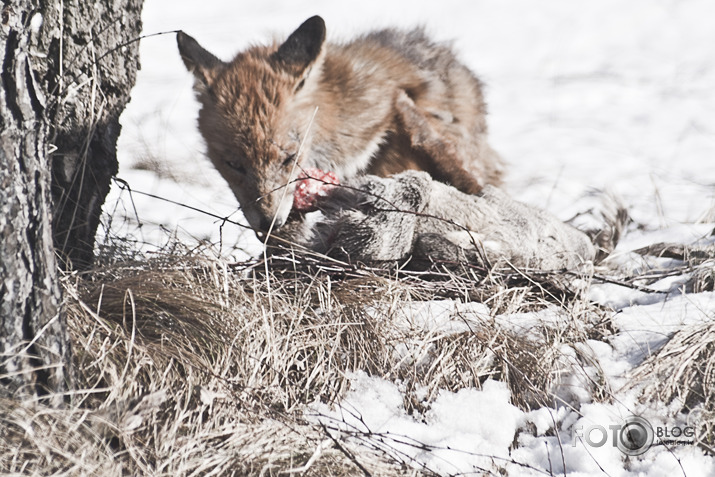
65 80
33 345
101 58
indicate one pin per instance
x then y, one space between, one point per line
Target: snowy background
582 95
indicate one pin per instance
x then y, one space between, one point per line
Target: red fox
386 102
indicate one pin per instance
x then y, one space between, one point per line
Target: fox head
255 114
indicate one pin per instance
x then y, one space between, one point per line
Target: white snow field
582 95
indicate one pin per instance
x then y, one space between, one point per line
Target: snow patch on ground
466 431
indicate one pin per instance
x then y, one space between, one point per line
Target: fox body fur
387 102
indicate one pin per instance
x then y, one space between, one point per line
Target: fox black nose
264 223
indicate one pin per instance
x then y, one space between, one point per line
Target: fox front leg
445 163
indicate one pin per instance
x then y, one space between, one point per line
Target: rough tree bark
100 58
65 80
33 344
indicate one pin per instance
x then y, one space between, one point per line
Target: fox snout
269 214
270 211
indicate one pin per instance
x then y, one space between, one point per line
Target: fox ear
198 61
302 48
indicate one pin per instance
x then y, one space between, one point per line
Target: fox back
384 103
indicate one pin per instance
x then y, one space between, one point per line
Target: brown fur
386 102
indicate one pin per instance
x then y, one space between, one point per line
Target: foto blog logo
633 437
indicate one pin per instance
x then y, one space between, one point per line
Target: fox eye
288 160
236 167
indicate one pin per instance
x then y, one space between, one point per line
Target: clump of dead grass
183 367
683 371
186 364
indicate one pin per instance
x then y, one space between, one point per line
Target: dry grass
684 371
187 365
698 261
185 368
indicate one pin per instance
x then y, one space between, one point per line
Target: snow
464 431
645 328
582 95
